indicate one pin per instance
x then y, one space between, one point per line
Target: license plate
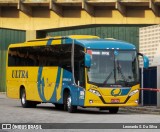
115 100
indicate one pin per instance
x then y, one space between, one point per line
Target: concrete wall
43 18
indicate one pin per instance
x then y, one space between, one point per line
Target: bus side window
11 60
64 60
79 69
30 62
18 61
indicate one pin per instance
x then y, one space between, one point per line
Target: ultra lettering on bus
19 74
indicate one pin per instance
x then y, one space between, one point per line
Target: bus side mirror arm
145 60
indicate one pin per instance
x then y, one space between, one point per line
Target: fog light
90 101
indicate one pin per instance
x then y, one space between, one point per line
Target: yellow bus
71 71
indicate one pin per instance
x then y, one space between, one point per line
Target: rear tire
68 103
113 110
25 103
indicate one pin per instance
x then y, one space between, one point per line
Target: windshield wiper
108 77
119 69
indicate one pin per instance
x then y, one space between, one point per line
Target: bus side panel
68 84
12 84
66 81
39 82
54 84
46 84
31 84
22 77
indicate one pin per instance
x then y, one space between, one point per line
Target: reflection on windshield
102 67
126 65
113 68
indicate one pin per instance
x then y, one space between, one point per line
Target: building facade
149 43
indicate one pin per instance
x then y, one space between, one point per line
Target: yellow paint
50 75
83 37
106 94
49 19
117 91
13 84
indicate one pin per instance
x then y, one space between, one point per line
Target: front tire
25 103
68 103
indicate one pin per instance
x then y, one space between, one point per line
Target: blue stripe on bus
41 84
125 91
53 97
49 42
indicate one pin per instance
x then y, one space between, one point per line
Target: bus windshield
113 67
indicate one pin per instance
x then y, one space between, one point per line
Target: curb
142 109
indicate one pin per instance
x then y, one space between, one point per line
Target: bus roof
87 41
105 44
94 42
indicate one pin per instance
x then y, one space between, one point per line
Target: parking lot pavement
48 116
12 112
138 109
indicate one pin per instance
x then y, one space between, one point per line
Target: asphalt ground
12 112
138 109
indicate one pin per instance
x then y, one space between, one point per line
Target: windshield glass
111 67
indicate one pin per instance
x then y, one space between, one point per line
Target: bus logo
116 92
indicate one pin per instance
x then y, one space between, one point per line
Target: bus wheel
24 102
113 110
68 103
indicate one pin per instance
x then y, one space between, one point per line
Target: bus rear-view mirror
145 61
87 60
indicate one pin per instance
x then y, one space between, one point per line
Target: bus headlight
94 92
133 92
